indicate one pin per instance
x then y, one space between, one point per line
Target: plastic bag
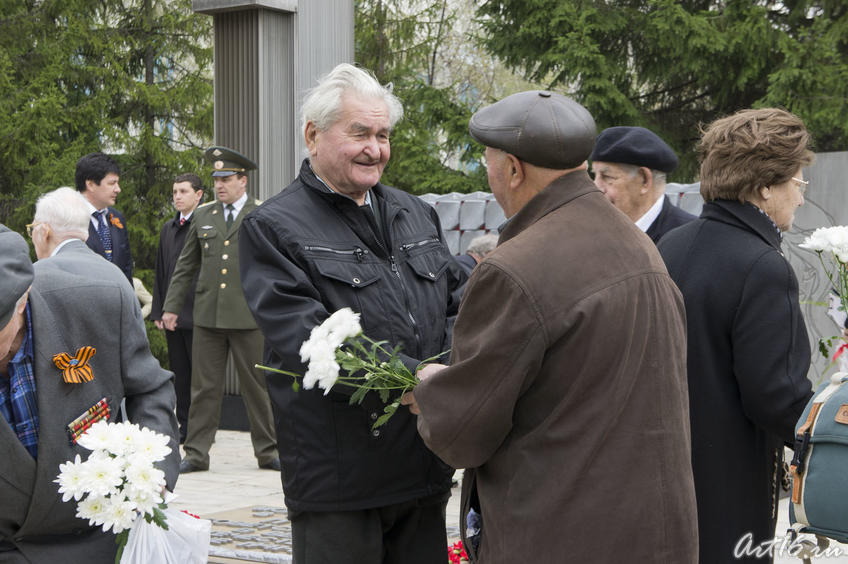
185 542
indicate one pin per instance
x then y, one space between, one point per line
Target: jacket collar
744 216
308 177
557 194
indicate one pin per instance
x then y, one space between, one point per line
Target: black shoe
187 467
273 465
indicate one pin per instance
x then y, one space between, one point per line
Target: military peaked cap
227 162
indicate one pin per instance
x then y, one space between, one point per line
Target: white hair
482 245
322 103
65 210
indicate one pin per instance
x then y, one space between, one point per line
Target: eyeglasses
802 185
30 227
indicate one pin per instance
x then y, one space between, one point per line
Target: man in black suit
188 192
97 178
630 166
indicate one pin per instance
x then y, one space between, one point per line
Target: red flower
191 514
456 553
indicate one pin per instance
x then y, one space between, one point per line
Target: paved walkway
245 503
249 518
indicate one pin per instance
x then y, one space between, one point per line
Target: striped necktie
103 232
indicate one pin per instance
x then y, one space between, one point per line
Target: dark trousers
179 356
412 532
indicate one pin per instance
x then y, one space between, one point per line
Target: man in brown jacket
566 396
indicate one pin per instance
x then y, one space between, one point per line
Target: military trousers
208 372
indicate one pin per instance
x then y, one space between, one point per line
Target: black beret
539 127
15 272
227 162
634 145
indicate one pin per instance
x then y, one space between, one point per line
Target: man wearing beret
566 396
222 321
630 166
50 319
97 178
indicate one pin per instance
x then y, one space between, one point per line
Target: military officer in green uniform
222 320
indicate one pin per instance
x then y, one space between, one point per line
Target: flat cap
634 145
539 127
15 272
227 162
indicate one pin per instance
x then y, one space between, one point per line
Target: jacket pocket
429 266
352 274
207 238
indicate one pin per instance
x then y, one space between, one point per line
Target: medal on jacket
75 369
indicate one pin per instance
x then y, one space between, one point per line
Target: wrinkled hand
409 397
169 320
159 325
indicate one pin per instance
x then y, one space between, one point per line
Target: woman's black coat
748 361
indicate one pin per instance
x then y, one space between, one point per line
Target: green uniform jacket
219 300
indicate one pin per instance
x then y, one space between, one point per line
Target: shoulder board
257 202
207 204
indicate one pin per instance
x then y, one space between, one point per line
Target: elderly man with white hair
336 237
50 319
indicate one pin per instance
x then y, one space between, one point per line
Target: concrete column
267 54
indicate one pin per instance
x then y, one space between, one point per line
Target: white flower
118 514
143 499
103 476
142 476
323 372
828 239
343 324
151 444
71 480
92 508
100 436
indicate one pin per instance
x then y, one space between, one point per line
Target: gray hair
66 211
322 103
482 245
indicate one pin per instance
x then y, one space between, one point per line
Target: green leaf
388 411
358 395
121 540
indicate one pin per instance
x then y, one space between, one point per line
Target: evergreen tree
129 78
431 149
673 65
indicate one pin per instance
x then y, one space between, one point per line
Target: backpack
819 467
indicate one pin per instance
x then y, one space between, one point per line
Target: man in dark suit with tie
187 193
97 178
222 321
630 166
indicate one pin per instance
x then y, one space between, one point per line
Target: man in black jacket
188 192
334 238
630 166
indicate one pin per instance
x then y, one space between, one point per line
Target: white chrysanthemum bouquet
338 344
118 483
832 243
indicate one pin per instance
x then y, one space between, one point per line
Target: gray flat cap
539 127
15 272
